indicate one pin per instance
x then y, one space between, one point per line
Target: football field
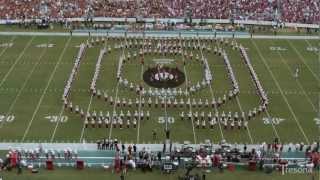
34 71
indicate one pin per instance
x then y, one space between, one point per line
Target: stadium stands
303 11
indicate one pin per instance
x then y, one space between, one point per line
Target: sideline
159 34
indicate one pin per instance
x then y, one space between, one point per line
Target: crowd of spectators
298 11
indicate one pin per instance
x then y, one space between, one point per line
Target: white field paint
162 120
55 119
272 120
7 118
277 48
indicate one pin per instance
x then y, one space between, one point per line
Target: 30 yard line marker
272 124
16 61
46 88
25 83
281 92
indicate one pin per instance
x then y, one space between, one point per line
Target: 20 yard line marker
24 84
45 90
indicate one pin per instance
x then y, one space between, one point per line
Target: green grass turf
32 81
72 174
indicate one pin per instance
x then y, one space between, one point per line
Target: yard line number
272 120
45 45
8 45
162 120
7 118
277 48
312 49
317 120
55 119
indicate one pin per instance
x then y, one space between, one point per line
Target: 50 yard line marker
139 110
281 92
45 90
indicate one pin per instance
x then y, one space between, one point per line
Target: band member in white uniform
129 103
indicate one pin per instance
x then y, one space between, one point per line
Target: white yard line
273 126
248 129
88 108
139 110
24 84
190 109
304 62
281 92
216 110
298 82
212 96
16 61
114 108
85 117
57 124
115 101
45 90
